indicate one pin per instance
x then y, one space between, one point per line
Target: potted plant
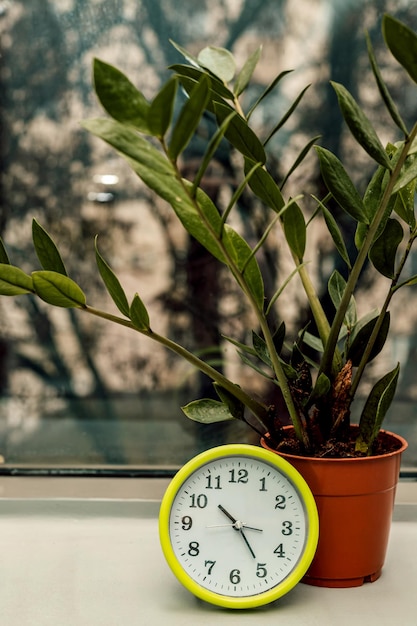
317 372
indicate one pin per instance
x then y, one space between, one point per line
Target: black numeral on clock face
234 576
193 548
199 501
186 522
280 502
239 476
213 482
286 528
279 551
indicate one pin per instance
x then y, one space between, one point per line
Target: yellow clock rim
311 514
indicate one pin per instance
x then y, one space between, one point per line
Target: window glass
81 392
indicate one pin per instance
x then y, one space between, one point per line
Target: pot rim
363 459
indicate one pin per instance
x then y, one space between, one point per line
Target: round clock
238 526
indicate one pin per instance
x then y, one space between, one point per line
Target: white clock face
238 526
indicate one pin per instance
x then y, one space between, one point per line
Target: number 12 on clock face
238 526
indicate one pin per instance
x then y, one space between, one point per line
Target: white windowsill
92 556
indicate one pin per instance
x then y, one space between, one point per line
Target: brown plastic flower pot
355 501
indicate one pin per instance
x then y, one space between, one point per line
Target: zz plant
317 393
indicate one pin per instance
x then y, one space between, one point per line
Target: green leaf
295 230
245 74
408 173
268 90
162 108
383 90
13 281
59 290
384 250
4 257
340 185
190 76
235 406
112 283
361 335
264 187
240 135
218 61
261 349
246 262
126 141
404 204
191 58
207 411
299 159
46 250
337 286
138 314
119 97
402 42
375 410
286 115
321 388
359 125
335 233
189 118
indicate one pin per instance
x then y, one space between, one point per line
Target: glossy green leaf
404 204
13 281
4 257
295 230
207 411
337 286
112 283
335 233
119 97
235 406
360 126
377 404
279 337
286 115
46 250
383 90
245 74
241 253
408 173
240 135
191 58
162 108
59 290
384 250
264 187
126 141
361 335
190 76
321 388
179 196
219 62
138 314
268 90
261 349
299 159
402 42
189 118
340 185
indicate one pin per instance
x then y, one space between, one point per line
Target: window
78 393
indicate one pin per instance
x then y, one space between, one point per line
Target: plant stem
258 409
368 349
330 347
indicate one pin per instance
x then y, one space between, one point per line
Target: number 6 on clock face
238 526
